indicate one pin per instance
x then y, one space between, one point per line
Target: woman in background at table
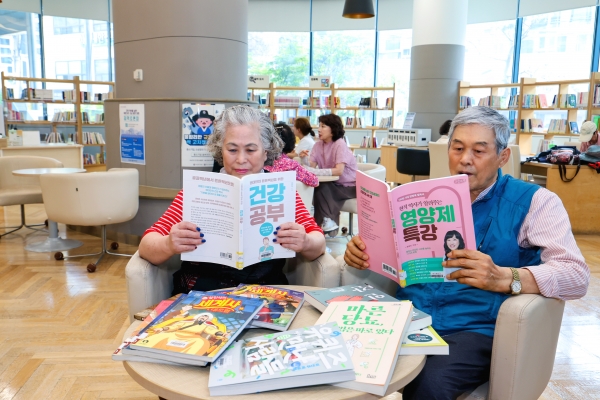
305 133
334 158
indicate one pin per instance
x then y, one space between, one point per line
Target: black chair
412 162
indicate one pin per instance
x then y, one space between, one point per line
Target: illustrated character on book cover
353 343
280 305
266 251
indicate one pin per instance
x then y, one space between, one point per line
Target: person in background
588 136
333 157
244 142
305 133
444 129
284 163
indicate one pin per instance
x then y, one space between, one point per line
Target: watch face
515 286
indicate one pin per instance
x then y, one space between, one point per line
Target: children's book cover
281 305
299 357
373 333
409 230
199 327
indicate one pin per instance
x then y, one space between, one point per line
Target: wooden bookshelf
76 102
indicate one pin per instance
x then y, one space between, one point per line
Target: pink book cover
543 101
408 230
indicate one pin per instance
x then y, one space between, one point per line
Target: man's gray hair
247 116
487 117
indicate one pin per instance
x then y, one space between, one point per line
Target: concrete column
437 61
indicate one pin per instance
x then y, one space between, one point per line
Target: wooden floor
59 324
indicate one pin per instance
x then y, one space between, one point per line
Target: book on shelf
238 217
573 127
196 327
532 125
557 126
466 102
564 101
373 334
92 138
582 99
300 357
425 341
386 122
10 93
321 298
389 103
596 95
281 305
494 102
409 230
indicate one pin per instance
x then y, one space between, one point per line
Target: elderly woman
334 158
243 141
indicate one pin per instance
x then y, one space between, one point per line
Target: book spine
395 239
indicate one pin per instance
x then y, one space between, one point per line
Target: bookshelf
539 97
75 121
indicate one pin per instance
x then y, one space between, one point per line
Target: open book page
432 217
212 202
268 200
375 225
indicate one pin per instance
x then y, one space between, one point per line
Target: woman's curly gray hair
244 115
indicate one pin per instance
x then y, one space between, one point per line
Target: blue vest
498 217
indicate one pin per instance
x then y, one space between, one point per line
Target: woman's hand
355 255
185 237
292 236
304 153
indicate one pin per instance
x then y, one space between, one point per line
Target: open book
238 216
409 230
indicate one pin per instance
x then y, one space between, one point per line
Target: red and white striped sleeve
172 216
304 218
563 273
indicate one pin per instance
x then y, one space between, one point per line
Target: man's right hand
185 237
354 255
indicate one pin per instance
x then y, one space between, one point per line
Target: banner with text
131 125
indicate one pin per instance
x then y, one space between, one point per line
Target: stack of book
103 96
494 102
532 125
386 122
92 138
91 159
557 126
466 102
582 99
564 101
64 116
368 102
10 93
596 95
353 122
288 101
369 142
389 103
535 101
513 101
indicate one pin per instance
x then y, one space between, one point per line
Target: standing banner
196 127
133 143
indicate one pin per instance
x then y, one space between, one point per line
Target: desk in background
388 160
70 155
580 196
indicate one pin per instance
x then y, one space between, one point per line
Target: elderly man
524 245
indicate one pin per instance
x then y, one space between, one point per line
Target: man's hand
185 237
292 236
478 270
354 255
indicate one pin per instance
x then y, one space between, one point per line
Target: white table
53 242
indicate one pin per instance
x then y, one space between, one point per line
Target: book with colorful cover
425 341
321 298
281 305
409 230
373 334
197 328
238 217
307 356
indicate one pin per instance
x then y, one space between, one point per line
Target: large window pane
558 45
393 66
489 52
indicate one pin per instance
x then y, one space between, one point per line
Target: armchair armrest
323 272
524 346
148 284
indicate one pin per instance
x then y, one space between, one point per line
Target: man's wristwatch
515 286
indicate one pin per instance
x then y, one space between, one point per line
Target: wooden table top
186 382
328 178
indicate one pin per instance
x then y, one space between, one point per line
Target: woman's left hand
292 236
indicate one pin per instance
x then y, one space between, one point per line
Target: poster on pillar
132 133
197 121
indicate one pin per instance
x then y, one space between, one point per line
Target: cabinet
74 102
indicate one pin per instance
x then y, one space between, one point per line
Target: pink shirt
563 273
328 155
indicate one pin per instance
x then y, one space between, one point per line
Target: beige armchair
438 160
524 346
18 190
147 284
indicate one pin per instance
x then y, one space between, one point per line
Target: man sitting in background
525 245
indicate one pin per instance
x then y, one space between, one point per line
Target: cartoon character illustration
266 251
453 241
352 344
202 123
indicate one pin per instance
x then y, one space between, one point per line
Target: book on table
373 334
321 298
196 328
238 217
409 230
424 341
307 356
281 305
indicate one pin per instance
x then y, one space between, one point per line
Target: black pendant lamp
358 9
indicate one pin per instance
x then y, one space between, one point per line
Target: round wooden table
185 382
53 242
328 178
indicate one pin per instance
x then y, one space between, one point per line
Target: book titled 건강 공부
409 230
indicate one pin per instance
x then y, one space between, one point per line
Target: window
70 69
561 58
489 52
4 50
100 26
542 43
66 26
4 41
101 70
7 60
9 70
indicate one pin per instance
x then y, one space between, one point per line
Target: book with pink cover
409 230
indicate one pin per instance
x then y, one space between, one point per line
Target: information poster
197 121
133 143
408 120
